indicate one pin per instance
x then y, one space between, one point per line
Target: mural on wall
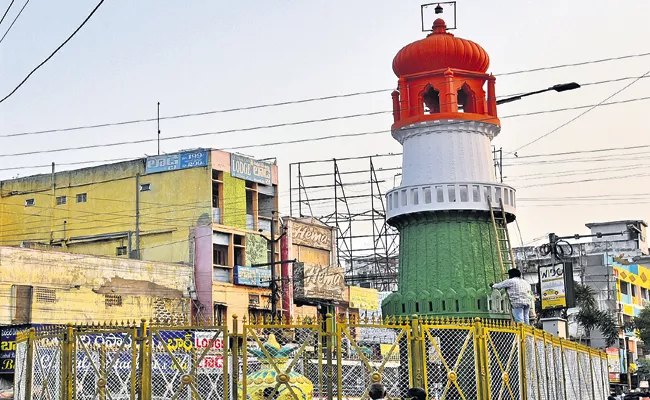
256 249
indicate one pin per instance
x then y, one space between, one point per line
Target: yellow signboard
363 298
551 282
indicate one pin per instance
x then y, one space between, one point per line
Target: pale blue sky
207 55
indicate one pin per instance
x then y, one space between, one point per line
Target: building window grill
45 295
29 202
145 187
121 251
82 198
113 300
61 200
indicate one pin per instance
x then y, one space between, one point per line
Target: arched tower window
431 100
466 100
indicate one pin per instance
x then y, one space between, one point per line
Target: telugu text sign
311 235
313 281
173 162
250 170
552 286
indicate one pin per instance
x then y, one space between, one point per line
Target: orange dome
440 50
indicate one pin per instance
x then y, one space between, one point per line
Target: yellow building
205 208
47 287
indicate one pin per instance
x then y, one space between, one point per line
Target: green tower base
446 264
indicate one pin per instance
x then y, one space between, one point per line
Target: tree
590 317
642 324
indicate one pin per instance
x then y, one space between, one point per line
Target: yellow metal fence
306 359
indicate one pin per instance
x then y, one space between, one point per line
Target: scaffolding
350 198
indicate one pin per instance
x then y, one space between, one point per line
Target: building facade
209 209
617 268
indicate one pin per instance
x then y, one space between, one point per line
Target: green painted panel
234 201
447 262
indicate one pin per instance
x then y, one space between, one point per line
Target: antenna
158 120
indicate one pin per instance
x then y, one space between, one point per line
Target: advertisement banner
364 299
251 170
614 363
8 346
311 235
552 286
252 276
313 281
173 162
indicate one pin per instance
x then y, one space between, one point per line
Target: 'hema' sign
249 169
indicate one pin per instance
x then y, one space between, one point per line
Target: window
220 314
61 200
253 299
476 193
45 295
452 193
113 300
427 195
464 195
29 202
431 100
120 251
644 293
219 254
466 100
624 288
633 290
82 197
414 197
439 194
145 187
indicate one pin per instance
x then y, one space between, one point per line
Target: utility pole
274 284
158 120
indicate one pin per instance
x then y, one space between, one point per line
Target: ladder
506 256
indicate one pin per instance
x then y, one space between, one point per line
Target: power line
53 53
303 122
6 11
313 99
15 19
579 115
579 152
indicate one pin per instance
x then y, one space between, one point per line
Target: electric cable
6 11
313 99
14 21
236 130
53 53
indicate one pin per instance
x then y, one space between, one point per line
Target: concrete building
205 208
54 288
617 267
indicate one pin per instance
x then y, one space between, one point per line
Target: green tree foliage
642 324
590 317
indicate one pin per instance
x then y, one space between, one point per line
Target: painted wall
71 288
236 299
234 202
177 201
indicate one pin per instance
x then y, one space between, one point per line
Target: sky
213 55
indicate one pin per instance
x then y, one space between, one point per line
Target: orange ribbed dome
440 50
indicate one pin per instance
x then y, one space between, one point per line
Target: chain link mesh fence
307 359
188 363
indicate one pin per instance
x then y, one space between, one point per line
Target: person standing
519 293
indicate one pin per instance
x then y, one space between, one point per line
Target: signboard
250 170
364 299
8 346
313 281
252 276
614 364
552 286
311 235
173 162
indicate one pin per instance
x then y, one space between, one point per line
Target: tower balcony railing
470 196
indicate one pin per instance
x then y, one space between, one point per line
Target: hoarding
8 346
311 235
252 276
364 299
313 281
553 287
614 363
177 161
250 170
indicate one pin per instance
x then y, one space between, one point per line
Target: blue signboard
8 346
249 169
252 276
172 162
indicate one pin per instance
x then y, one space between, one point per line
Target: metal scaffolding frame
366 245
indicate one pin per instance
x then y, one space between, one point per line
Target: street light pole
562 87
